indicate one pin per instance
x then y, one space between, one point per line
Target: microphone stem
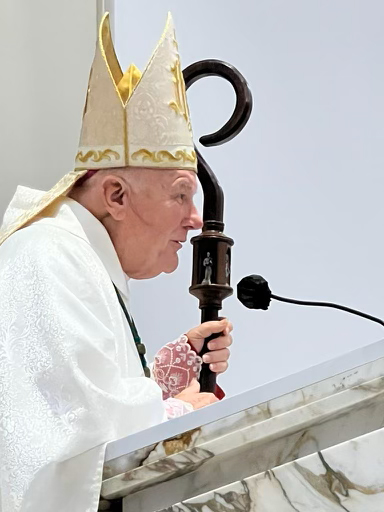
327 305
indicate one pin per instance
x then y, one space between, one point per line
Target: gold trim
165 156
180 105
108 54
125 128
60 189
154 54
108 50
98 156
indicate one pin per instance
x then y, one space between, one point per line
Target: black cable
253 291
327 305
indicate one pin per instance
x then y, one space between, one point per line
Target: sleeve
62 390
176 408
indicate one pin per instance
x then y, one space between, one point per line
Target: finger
228 329
212 327
216 356
221 342
219 367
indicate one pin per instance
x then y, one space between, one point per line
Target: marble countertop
347 477
286 419
246 400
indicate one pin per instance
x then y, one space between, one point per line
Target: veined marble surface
261 394
251 441
348 477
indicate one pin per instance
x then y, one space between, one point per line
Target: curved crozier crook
213 194
212 248
243 107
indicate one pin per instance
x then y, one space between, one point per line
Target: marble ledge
252 441
348 477
230 406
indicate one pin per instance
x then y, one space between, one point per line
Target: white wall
303 182
46 49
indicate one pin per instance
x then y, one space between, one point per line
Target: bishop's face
161 212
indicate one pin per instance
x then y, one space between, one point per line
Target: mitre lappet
130 119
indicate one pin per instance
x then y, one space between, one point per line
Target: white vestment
70 375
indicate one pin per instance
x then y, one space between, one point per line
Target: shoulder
50 268
50 250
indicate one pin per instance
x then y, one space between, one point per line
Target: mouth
178 243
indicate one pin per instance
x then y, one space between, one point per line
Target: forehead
186 178
181 179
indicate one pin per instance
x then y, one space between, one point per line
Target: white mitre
130 119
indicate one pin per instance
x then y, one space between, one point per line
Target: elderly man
72 366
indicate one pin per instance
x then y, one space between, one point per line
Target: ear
116 196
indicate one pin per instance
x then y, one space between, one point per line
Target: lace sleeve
176 408
174 367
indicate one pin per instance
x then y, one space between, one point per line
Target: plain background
46 49
303 182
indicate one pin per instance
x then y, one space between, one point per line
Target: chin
171 266
163 266
165 269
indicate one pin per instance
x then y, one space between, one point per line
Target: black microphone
253 291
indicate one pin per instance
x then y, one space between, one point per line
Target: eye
181 197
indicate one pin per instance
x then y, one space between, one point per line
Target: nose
194 221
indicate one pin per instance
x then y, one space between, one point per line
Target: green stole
140 346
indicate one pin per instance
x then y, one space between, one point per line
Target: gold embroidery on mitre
180 155
97 156
180 105
108 53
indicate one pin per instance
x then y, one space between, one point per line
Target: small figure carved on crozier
208 262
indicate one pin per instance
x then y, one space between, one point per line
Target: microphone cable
254 293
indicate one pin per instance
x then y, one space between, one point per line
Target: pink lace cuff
175 366
176 408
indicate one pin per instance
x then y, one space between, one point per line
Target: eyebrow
184 185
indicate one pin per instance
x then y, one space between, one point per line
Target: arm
63 386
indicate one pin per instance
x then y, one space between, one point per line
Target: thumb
194 386
206 399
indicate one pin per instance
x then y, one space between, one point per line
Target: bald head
90 182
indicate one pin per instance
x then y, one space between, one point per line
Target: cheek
123 236
170 221
162 223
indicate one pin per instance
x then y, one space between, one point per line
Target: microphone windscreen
253 291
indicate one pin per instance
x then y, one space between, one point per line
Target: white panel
303 183
47 49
